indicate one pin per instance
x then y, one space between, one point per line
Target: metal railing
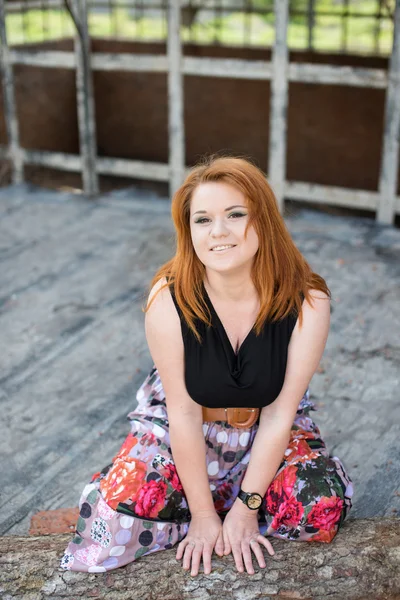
279 71
346 26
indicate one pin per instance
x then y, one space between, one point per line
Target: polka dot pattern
110 563
85 511
159 431
126 522
213 468
108 538
123 536
222 437
145 538
244 438
117 550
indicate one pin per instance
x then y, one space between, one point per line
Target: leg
135 505
310 496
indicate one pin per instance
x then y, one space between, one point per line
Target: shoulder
315 314
317 300
161 310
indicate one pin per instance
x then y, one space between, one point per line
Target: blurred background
334 127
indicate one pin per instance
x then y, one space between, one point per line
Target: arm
304 354
164 338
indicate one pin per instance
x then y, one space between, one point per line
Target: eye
201 220
237 214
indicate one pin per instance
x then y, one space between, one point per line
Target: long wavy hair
280 273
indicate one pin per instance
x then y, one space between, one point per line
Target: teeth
222 247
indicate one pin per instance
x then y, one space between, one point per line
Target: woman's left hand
242 536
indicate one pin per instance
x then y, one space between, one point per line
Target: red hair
280 273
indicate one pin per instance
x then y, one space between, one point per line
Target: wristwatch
253 501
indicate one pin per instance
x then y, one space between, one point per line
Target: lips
222 247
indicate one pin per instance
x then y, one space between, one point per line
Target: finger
187 556
267 544
181 549
256 548
227 545
196 557
207 551
219 545
237 555
245 547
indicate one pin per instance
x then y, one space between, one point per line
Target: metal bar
227 67
85 100
175 98
338 75
390 145
311 23
377 28
24 20
10 110
295 190
345 25
333 195
278 103
43 58
207 67
247 23
129 62
104 165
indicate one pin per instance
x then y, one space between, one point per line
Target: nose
219 229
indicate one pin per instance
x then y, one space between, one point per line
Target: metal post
85 99
175 98
279 101
311 23
390 154
15 152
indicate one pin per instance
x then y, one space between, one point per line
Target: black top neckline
222 329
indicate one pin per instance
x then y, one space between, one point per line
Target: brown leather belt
237 417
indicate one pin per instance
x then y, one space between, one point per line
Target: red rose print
224 492
169 472
325 513
148 439
151 499
289 513
281 488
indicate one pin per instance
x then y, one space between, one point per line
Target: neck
230 287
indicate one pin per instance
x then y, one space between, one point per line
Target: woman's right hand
204 534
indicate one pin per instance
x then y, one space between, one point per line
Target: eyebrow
229 208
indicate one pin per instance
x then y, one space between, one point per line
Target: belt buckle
251 419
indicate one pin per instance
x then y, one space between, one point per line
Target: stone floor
73 279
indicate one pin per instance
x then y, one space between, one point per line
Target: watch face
254 501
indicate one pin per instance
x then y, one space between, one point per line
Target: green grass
233 29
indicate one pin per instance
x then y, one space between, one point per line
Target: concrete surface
73 279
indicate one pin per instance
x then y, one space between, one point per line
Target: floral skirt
136 505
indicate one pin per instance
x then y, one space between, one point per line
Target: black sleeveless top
217 377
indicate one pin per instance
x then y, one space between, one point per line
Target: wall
334 132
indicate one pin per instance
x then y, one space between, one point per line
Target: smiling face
218 219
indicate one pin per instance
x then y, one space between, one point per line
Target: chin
228 268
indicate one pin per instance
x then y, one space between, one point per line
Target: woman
222 451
